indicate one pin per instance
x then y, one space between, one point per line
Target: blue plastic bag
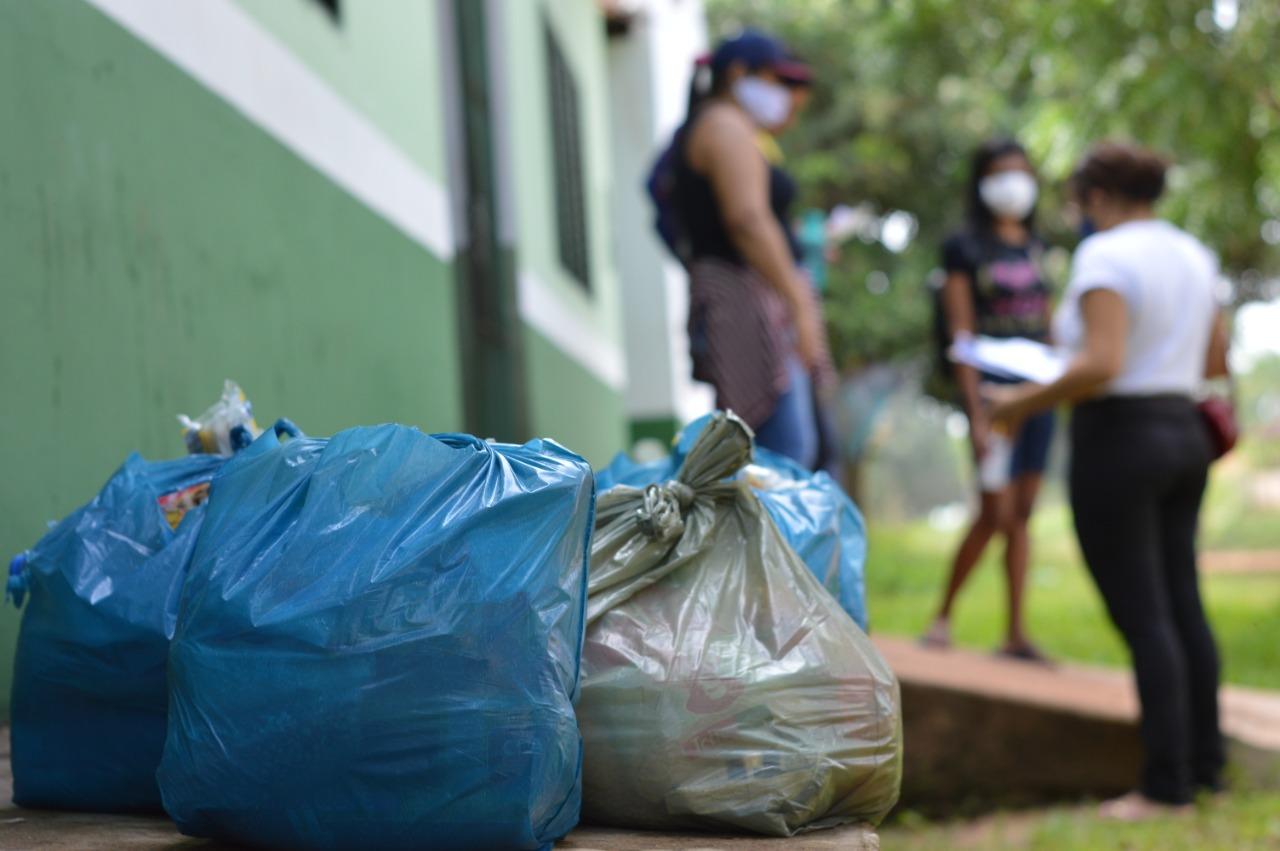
89 695
812 511
378 646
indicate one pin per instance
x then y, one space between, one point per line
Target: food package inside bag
225 427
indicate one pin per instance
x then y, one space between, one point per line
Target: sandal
938 637
1025 652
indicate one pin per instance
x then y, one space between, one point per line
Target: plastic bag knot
662 514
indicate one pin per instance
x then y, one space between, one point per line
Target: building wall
574 358
249 189
158 237
384 64
650 67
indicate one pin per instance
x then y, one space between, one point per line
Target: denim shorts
1031 449
1030 454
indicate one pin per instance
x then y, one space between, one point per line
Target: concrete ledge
59 831
27 829
982 731
852 838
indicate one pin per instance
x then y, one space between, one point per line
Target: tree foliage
907 88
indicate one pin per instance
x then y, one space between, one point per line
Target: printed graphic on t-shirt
1011 297
1015 274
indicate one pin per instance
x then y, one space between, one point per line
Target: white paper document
1015 358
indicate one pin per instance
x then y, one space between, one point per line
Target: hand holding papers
1015 358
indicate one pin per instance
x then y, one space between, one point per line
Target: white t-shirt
1168 280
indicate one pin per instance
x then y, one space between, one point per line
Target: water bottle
993 471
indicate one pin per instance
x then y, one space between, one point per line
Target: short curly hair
1123 169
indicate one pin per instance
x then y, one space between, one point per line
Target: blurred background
432 212
903 93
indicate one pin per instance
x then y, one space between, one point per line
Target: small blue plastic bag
378 646
89 693
811 510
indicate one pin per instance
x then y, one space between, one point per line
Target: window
567 164
333 7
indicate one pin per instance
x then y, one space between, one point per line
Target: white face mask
1010 193
767 103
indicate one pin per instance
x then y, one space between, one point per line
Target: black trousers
1138 472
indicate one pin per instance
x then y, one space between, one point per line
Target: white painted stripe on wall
228 52
547 313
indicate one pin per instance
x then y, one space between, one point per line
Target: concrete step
60 831
981 730
852 838
28 829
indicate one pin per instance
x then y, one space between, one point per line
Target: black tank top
700 211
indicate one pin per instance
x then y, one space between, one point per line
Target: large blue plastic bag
89 694
378 646
811 510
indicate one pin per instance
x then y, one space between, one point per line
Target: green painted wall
382 57
156 242
578 25
571 405
600 430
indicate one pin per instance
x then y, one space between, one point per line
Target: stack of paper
1016 358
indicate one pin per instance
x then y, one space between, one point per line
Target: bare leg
989 520
1017 554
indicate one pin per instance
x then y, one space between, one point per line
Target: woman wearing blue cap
754 325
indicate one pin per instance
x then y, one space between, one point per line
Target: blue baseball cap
757 50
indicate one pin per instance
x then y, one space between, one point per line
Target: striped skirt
740 337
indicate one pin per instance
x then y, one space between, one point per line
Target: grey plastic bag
723 687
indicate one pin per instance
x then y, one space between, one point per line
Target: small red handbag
1220 418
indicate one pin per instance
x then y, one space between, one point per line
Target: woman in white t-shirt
1141 315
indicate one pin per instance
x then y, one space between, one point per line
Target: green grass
1240 822
908 563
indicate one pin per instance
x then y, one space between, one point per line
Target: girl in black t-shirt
995 287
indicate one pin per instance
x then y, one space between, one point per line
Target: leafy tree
907 88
